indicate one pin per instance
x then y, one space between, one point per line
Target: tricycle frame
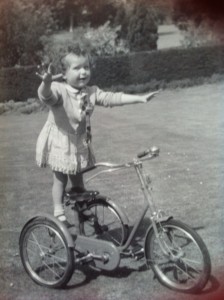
104 255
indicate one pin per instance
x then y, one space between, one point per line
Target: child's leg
59 184
77 181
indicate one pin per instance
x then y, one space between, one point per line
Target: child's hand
147 97
47 75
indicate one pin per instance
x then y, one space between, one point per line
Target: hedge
19 83
164 65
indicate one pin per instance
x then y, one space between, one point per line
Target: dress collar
74 90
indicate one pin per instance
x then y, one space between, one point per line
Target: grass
186 124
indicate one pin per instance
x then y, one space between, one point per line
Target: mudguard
116 208
59 224
164 219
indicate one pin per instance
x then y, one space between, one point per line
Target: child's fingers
57 77
39 75
41 69
158 91
150 95
155 93
51 68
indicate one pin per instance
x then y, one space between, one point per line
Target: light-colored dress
62 142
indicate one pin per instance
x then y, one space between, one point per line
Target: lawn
187 125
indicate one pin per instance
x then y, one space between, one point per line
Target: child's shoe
62 218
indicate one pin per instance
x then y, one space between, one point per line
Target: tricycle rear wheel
45 254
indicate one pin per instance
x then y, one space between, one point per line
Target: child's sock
59 212
62 218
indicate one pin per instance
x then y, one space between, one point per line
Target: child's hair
78 50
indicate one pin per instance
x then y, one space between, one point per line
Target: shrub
22 23
2 108
153 67
201 24
26 107
29 108
18 83
142 29
139 26
201 35
104 40
101 41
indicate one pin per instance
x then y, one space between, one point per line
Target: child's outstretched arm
45 86
132 99
44 90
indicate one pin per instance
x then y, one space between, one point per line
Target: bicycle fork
156 216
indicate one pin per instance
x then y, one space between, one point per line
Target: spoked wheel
45 254
186 266
105 223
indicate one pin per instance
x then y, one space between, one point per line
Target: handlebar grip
143 153
153 151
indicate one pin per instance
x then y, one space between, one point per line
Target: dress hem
57 169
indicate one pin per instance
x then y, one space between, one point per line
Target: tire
189 268
45 254
108 224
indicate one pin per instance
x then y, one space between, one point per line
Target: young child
64 142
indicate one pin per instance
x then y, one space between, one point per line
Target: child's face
78 71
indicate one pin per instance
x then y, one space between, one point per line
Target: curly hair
78 50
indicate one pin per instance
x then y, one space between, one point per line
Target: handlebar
142 156
143 153
153 151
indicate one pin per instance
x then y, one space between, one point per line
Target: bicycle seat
80 196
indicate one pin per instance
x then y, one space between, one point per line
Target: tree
78 12
22 23
207 14
198 10
163 10
138 25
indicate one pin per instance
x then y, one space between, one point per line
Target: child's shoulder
92 89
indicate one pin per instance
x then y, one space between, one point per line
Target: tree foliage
78 12
201 21
22 23
139 25
198 11
100 41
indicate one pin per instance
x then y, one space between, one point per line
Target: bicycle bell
154 150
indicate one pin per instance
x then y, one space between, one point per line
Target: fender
115 206
59 224
161 220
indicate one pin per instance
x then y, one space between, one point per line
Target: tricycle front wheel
45 254
186 265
